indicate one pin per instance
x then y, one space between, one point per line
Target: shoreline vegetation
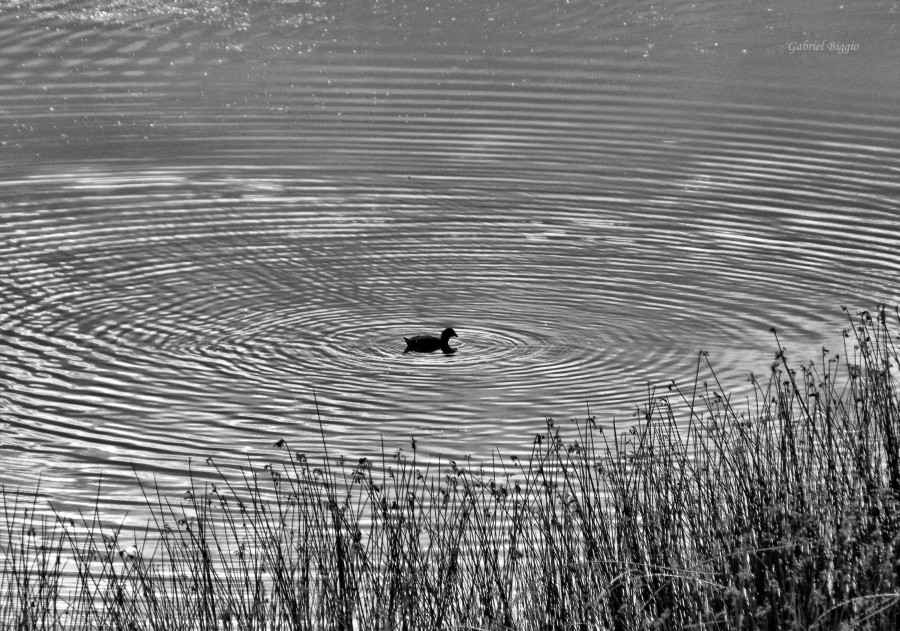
781 511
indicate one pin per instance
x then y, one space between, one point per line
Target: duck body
431 343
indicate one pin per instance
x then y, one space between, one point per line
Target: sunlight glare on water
217 214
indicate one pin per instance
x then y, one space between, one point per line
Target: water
216 214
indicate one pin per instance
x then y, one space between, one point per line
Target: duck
431 343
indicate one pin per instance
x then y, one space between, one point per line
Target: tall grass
782 512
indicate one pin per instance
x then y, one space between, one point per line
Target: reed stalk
781 512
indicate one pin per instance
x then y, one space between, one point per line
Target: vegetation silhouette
783 513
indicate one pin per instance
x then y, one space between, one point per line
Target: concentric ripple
220 219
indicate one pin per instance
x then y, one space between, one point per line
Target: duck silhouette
431 343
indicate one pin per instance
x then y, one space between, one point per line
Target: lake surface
216 214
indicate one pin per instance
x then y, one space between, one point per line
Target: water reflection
216 216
